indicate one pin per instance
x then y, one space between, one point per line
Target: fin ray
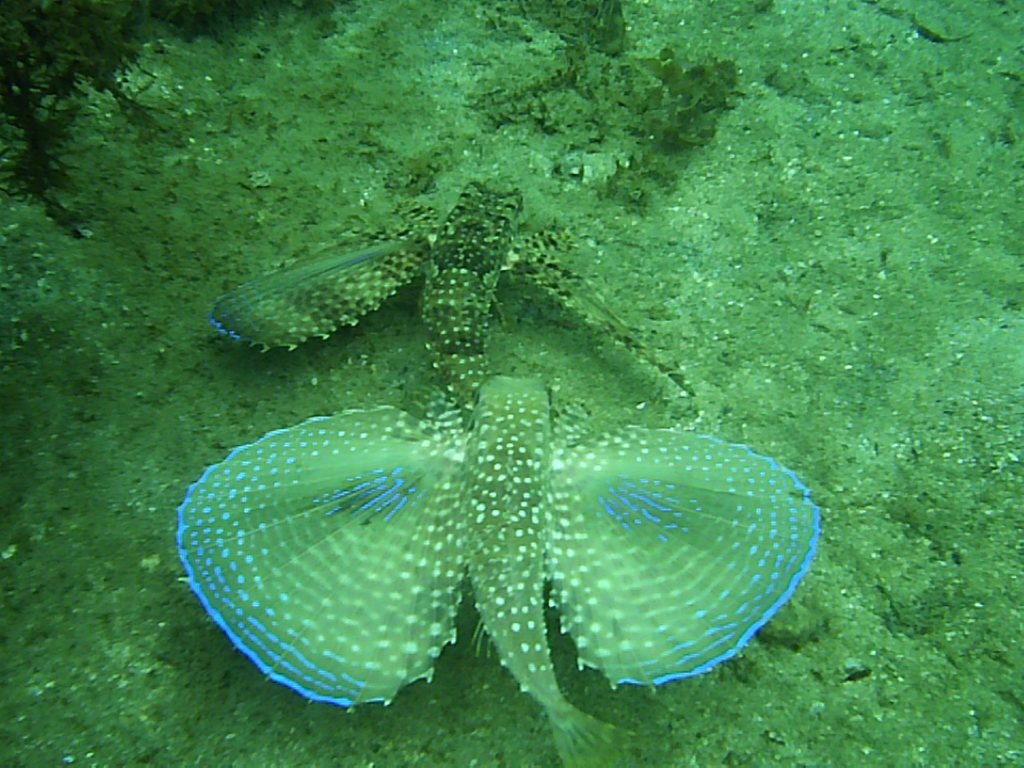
316 296
672 549
342 600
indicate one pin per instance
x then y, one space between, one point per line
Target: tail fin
584 741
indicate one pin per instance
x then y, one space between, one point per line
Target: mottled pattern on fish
332 552
471 248
319 294
463 259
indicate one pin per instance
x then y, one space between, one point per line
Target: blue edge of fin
752 630
235 638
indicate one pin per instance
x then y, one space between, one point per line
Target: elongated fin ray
328 552
668 550
535 259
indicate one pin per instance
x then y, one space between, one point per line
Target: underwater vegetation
53 53
49 51
605 93
596 23
202 17
684 110
660 108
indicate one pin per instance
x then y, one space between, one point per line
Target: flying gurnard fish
333 553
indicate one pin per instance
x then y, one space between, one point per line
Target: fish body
466 260
332 553
462 259
508 486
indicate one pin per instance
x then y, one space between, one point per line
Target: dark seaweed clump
52 51
685 109
598 24
49 51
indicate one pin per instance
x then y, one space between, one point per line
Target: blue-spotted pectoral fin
326 553
316 296
668 550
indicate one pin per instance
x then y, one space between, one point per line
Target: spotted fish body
466 260
508 488
332 553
